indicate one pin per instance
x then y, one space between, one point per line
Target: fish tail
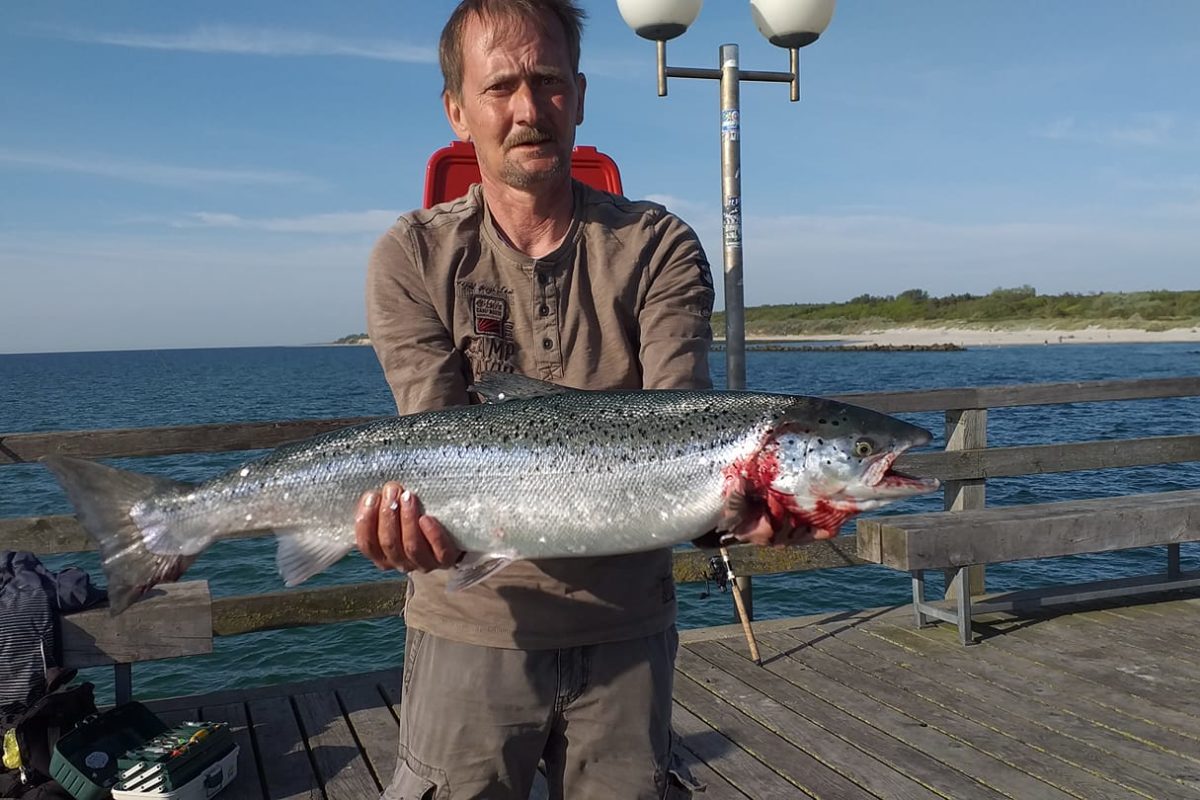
102 497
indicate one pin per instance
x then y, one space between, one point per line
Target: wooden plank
741 769
16 448
922 773
1024 394
1174 629
174 619
691 564
1097 665
993 535
44 535
1054 688
1130 646
965 429
796 766
715 787
775 715
276 690
983 754
1042 751
247 785
1091 754
340 764
374 726
341 603
286 770
23 448
1041 459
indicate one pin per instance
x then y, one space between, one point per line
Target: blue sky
213 174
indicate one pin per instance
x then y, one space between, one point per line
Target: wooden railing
965 467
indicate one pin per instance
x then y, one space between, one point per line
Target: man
566 660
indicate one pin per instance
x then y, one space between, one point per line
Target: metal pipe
715 74
662 68
731 234
794 64
731 217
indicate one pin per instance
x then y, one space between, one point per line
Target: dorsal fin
496 387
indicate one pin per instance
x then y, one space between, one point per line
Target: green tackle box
106 750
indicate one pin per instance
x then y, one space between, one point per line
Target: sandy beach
983 337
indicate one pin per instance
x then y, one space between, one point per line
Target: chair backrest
453 169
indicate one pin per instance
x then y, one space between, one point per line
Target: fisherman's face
520 101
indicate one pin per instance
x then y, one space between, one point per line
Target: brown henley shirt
623 303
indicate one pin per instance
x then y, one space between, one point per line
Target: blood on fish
753 478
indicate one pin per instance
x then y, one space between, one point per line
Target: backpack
38 728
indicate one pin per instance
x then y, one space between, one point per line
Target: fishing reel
718 572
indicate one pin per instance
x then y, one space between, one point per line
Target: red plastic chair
453 169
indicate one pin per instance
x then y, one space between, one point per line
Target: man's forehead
501 37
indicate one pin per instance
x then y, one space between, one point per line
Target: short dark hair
540 12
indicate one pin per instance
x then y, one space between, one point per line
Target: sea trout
540 471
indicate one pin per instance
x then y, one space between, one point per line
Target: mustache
527 136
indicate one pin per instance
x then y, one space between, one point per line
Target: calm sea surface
176 387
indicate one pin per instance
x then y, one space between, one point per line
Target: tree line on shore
1153 310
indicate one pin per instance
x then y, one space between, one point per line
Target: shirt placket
546 327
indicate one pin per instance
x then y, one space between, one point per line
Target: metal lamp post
790 24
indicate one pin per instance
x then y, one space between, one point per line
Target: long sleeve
416 350
675 317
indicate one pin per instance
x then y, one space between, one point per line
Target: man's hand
761 530
390 529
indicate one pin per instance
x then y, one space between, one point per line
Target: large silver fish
548 472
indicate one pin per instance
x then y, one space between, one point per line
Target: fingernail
370 499
406 497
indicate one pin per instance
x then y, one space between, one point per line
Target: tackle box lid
129 740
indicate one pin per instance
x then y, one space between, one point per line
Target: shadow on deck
1095 702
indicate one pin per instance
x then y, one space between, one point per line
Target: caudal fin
102 497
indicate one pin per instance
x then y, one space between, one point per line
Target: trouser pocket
408 785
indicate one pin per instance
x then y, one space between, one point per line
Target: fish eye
864 448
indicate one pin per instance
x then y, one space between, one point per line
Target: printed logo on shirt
489 343
490 315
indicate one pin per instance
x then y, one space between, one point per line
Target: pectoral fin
303 552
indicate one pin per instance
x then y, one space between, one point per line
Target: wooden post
966 429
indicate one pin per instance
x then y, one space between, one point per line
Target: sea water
50 392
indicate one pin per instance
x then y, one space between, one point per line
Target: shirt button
543 310
547 344
543 278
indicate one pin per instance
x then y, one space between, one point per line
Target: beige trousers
475 721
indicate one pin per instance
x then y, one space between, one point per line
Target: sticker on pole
730 125
731 222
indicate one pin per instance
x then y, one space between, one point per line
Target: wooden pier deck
1091 703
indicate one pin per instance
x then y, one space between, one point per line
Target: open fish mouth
881 477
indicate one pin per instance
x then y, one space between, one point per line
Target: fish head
825 461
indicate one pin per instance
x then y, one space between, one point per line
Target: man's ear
581 82
455 116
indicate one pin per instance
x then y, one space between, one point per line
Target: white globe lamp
792 23
659 20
